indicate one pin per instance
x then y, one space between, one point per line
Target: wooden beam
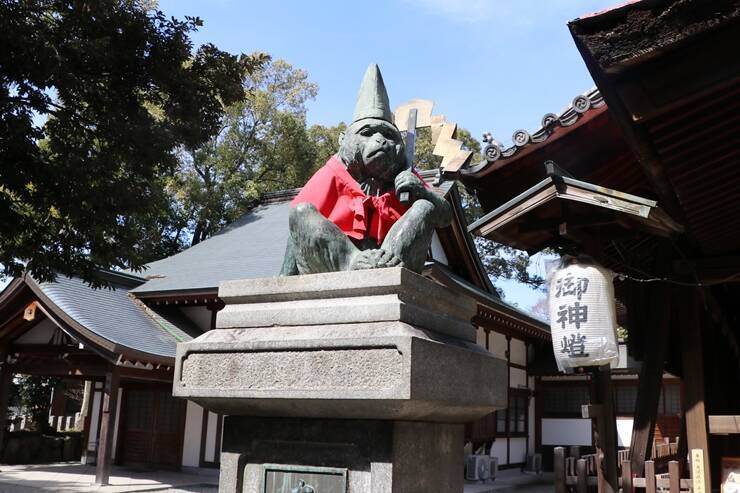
107 426
724 425
651 376
692 359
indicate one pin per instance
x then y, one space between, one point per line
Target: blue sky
489 65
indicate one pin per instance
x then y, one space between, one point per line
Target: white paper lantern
583 318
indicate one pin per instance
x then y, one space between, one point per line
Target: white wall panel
517 378
518 352
191 440
497 344
517 450
498 449
571 431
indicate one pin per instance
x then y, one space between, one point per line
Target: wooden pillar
107 426
606 425
651 376
6 376
692 362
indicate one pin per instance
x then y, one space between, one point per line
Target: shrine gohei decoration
582 314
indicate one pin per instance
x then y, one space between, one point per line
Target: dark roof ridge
495 150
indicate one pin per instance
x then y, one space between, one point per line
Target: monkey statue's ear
340 139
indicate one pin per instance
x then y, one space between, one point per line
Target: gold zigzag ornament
445 144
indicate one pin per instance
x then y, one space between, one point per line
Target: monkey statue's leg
409 238
316 244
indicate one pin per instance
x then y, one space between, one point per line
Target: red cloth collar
339 198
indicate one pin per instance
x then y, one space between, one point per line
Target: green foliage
94 98
34 395
261 145
325 142
500 261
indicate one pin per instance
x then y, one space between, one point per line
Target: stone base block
384 370
340 456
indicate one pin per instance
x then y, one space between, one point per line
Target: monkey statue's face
373 151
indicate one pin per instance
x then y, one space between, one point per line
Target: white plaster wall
570 431
93 435
518 352
118 418
498 449
199 315
497 344
210 438
480 337
517 378
624 431
39 334
438 252
517 450
191 440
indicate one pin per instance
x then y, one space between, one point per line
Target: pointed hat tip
372 100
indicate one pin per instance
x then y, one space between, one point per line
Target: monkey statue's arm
407 181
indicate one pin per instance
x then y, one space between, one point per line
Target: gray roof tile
114 315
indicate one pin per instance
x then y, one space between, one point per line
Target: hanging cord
621 276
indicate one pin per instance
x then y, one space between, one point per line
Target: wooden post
582 483
558 467
107 426
6 376
651 377
606 440
649 476
692 362
626 477
674 477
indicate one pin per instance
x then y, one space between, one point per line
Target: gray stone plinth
372 372
376 344
382 370
344 298
379 456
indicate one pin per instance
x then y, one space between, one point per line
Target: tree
34 394
94 98
325 142
262 145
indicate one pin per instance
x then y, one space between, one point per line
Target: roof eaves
582 105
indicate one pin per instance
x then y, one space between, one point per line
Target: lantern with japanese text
583 318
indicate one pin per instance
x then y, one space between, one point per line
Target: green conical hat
372 100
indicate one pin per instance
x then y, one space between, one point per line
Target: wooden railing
581 474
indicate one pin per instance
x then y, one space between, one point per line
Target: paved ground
74 477
513 481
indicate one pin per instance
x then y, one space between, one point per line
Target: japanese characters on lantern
582 315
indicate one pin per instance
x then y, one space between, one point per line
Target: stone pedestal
367 374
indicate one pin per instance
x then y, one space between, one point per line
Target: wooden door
151 431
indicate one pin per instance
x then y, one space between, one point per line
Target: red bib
339 198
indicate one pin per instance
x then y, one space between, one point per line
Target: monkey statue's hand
407 181
374 259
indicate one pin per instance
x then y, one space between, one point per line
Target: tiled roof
114 315
495 151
